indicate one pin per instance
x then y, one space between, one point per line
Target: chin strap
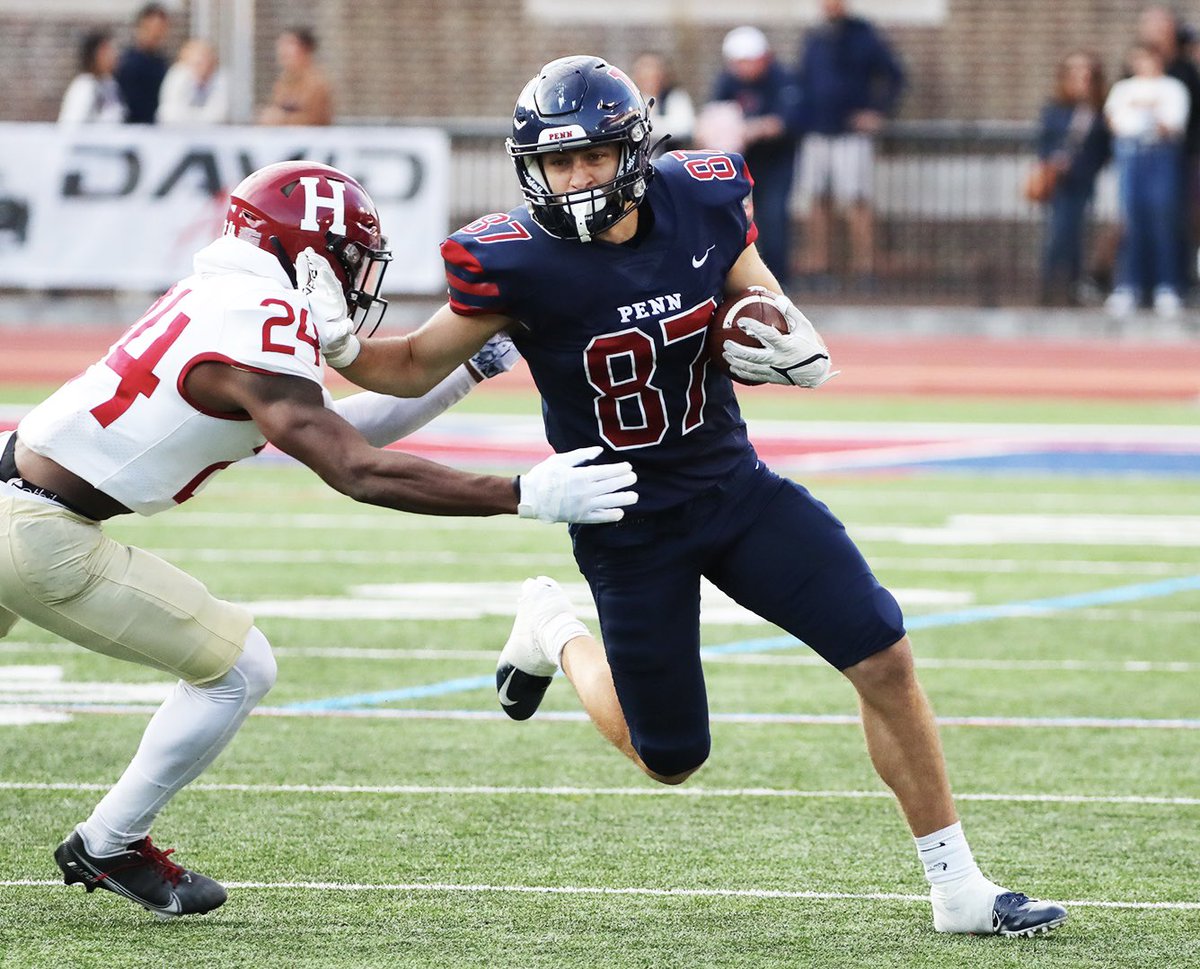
286 263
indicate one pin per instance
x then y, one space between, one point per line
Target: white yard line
774 659
755 719
950 663
436 790
307 557
602 890
1165 530
1170 616
249 521
304 557
971 563
386 654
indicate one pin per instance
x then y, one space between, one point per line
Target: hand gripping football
728 323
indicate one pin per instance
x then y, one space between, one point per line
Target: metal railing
951 223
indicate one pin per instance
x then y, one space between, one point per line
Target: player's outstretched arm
410 366
292 415
403 366
382 418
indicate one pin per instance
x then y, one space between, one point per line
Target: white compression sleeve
191 727
382 419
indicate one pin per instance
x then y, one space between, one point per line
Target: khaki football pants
61 572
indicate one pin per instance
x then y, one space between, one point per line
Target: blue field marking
1099 461
959 617
358 700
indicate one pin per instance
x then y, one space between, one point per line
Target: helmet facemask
363 268
585 213
577 102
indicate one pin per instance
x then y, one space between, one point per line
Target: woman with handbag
1073 145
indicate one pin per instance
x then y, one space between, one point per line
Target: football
728 322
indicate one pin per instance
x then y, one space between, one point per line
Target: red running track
960 366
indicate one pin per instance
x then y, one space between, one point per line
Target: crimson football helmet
572 103
286 207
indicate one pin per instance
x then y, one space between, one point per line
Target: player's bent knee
890 667
672 780
674 765
257 664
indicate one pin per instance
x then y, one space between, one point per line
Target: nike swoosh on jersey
503 693
697 263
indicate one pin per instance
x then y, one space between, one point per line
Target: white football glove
559 490
495 357
335 330
798 358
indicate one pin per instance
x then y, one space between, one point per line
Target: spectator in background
194 90
302 94
1074 140
93 95
1160 27
851 82
1148 113
755 110
673 113
143 66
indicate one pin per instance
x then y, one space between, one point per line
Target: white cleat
528 662
982 907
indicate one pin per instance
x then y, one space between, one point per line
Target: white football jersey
126 426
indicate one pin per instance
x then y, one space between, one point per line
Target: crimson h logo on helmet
314 200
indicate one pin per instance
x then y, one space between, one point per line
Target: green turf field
388 839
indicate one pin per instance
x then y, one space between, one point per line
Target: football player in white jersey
227 360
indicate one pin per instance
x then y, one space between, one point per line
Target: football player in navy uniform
606 281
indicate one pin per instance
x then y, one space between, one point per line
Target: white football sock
559 631
962 896
946 856
183 737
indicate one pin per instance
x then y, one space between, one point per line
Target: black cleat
520 694
143 874
1017 914
525 670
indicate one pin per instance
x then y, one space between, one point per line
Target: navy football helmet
572 103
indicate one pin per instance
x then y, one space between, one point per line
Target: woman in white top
93 96
1147 114
194 90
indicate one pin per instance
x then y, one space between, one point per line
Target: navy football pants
764 541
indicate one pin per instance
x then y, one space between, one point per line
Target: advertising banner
125 207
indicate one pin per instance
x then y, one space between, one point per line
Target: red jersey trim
472 289
456 254
189 489
462 309
217 358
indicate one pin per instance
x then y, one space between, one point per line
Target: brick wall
991 59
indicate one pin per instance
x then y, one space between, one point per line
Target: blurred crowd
808 126
140 84
1147 124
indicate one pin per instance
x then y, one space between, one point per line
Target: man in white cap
767 101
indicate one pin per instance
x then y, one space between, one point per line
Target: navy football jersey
615 335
